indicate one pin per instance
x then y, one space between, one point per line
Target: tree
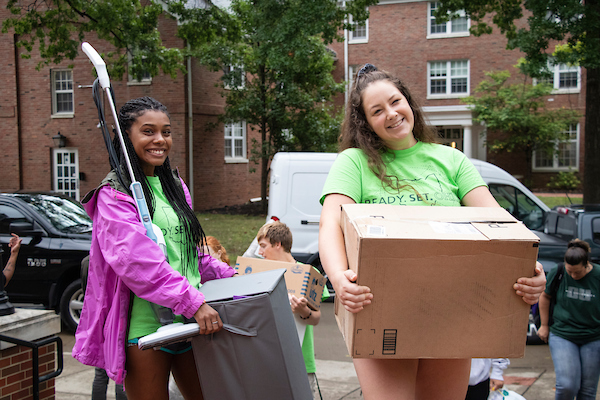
289 87
279 43
518 113
575 23
59 26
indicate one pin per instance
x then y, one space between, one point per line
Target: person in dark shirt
574 335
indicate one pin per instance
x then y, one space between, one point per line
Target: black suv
56 233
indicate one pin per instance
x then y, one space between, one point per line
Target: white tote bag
504 394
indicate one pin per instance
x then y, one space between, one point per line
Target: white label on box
376 230
449 228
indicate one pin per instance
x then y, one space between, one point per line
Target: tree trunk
591 185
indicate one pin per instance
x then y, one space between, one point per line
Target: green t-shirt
438 175
577 310
308 343
143 321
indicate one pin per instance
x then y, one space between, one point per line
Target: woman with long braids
387 148
130 281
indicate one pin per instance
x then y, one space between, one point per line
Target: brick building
442 63
36 106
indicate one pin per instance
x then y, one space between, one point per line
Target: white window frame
231 67
448 94
63 90
358 39
231 139
61 183
448 33
556 156
131 81
557 69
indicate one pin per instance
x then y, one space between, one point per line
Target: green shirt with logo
143 320
434 175
577 310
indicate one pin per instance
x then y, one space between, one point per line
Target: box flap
435 223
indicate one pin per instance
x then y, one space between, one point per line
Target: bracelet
309 314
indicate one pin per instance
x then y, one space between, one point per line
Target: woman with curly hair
387 148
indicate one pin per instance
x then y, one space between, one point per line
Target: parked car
56 233
562 224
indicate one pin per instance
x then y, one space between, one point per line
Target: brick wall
16 372
398 43
28 125
9 134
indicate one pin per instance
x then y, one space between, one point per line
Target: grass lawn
235 232
559 200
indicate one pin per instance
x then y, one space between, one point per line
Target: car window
519 205
64 214
8 215
596 230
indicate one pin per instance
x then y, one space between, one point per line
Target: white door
66 172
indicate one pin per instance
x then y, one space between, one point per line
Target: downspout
18 113
190 127
346 60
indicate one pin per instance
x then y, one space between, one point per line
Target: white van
297 180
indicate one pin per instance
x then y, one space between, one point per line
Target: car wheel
71 303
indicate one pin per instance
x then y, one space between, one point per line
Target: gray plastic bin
266 366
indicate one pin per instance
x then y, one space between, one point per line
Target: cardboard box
442 281
302 280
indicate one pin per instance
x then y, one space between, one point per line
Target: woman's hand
208 319
531 288
352 296
543 333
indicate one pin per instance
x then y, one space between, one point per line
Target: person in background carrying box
389 156
275 243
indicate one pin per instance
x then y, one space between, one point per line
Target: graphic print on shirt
576 293
428 191
169 224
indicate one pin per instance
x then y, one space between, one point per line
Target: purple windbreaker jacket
124 260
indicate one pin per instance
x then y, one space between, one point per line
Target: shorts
175 348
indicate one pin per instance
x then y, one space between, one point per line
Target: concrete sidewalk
337 380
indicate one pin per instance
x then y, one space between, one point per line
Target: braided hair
192 230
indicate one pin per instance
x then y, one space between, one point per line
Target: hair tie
366 69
